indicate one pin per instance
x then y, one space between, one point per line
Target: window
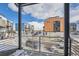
36 28
40 22
57 26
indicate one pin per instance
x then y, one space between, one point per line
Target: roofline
52 17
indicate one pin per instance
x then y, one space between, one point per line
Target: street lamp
20 5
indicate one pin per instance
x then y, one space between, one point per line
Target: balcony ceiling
25 4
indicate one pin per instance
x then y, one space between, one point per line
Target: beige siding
3 23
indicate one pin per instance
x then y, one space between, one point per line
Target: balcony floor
6 50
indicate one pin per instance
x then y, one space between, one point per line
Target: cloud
3 17
13 7
45 10
74 13
74 18
42 10
37 25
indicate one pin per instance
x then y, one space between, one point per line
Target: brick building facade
54 24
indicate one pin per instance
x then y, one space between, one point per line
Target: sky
74 12
37 14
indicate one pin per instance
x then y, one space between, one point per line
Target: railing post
66 28
19 26
39 44
70 41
